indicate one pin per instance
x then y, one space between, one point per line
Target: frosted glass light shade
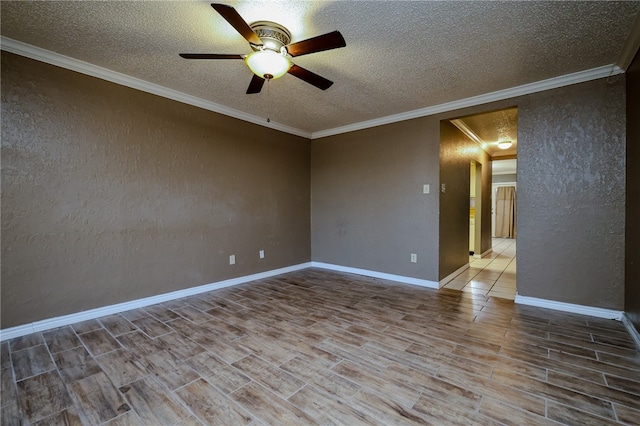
268 64
504 144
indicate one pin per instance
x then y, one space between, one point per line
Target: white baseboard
569 307
452 275
481 255
375 274
51 323
632 330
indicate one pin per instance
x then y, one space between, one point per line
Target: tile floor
493 275
317 347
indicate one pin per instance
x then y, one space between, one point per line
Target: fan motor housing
274 36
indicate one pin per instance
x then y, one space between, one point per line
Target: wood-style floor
317 347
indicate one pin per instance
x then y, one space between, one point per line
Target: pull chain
268 91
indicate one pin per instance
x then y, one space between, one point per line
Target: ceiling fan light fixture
505 144
272 48
268 64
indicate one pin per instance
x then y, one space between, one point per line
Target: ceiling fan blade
236 21
310 77
256 85
327 41
210 56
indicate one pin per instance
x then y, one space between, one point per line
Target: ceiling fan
272 50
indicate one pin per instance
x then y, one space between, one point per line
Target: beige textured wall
456 153
367 207
571 194
110 194
367 211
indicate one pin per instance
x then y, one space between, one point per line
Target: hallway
493 275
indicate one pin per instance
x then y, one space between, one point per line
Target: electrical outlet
261 253
414 258
443 188
232 259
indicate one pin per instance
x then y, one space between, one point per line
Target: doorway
491 138
504 199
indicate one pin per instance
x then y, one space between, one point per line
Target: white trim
452 275
635 335
525 89
43 55
468 131
63 61
13 332
376 274
52 323
569 307
481 255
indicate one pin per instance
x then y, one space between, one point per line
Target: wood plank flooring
318 347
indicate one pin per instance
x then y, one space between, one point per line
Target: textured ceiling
490 128
400 55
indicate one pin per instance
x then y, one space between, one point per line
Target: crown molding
462 126
43 55
525 89
82 67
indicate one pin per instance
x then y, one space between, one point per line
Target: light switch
425 188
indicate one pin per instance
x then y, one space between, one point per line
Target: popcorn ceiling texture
400 56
